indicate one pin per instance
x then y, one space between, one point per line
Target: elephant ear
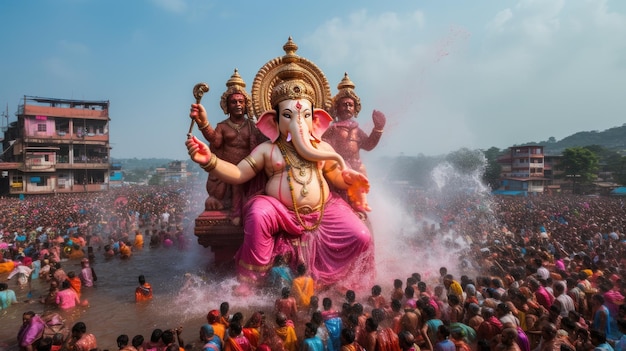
321 122
268 126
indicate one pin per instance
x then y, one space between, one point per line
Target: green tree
615 163
493 169
581 165
610 162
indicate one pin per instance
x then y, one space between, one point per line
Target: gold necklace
235 126
304 167
283 146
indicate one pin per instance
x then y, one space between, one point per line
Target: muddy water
112 310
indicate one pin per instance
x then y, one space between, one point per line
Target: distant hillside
613 139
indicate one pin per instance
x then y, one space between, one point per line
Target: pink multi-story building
56 146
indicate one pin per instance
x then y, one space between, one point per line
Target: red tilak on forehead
298 105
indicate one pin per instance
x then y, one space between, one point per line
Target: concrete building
176 171
56 146
523 170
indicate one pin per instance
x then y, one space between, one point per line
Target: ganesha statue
296 204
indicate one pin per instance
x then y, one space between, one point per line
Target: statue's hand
358 187
198 151
379 119
198 114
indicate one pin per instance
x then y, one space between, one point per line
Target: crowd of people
39 232
546 274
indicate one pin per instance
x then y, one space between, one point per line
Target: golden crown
236 85
289 77
292 90
346 89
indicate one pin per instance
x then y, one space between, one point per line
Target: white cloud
393 63
500 20
524 75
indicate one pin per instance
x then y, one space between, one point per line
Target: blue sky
448 74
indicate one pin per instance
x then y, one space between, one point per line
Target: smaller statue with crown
231 140
345 135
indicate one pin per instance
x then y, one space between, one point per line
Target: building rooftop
68 103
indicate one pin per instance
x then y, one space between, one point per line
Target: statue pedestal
215 230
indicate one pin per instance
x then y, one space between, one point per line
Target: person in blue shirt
598 339
7 296
443 340
280 274
311 341
211 341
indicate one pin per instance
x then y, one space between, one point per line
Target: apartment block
523 169
56 146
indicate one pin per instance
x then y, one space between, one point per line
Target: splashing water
432 228
414 230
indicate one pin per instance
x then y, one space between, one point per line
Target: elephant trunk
301 139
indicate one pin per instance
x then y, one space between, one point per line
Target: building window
41 127
43 181
39 180
17 181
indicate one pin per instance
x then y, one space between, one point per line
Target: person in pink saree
296 211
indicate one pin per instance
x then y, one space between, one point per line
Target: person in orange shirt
75 282
74 252
138 243
252 329
303 287
144 291
286 331
125 250
236 340
213 318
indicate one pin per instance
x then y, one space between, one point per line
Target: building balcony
88 164
65 138
37 167
6 166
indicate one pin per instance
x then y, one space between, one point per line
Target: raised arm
199 115
369 142
226 171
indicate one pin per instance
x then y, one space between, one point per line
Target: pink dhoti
340 249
